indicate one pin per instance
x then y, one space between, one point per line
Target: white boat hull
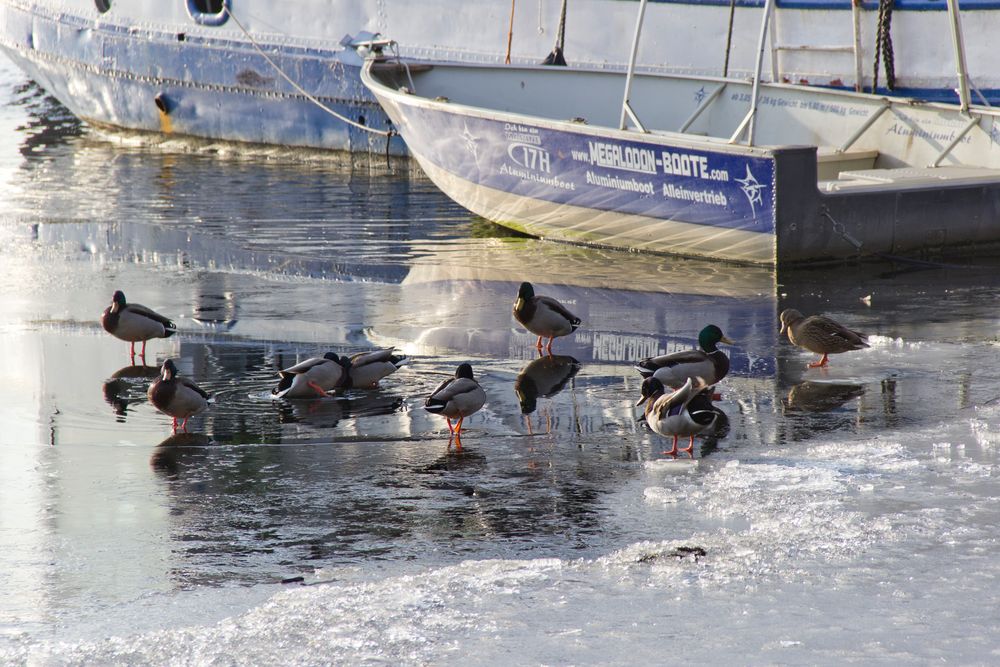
830 175
213 81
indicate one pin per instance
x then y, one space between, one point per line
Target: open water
846 515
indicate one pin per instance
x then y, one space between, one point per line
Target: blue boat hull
598 188
176 84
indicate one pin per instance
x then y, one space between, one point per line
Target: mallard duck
132 322
708 363
314 377
820 334
367 368
457 398
176 396
684 412
543 316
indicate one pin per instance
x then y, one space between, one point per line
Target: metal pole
631 63
701 107
872 117
729 39
959 44
768 8
772 35
973 121
858 72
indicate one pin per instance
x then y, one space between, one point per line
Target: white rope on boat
309 96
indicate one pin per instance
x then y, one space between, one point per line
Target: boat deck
909 178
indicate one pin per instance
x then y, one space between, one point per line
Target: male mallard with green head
820 334
543 316
708 363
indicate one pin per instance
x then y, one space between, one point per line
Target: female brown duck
820 334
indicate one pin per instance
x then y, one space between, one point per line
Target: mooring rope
883 46
510 32
309 96
558 56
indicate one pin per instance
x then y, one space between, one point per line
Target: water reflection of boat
216 305
632 305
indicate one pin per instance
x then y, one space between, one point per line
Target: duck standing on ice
457 398
820 334
177 396
133 322
543 316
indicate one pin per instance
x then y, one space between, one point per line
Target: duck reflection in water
328 412
454 460
543 378
172 453
816 407
821 396
714 433
127 385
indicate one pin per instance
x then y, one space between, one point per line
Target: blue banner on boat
716 188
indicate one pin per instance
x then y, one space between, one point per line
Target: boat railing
869 121
705 103
626 106
747 127
854 48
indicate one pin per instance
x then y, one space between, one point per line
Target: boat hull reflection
632 306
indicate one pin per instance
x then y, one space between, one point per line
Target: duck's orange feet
673 450
318 389
538 343
451 429
690 447
821 363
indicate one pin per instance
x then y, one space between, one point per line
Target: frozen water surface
845 515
